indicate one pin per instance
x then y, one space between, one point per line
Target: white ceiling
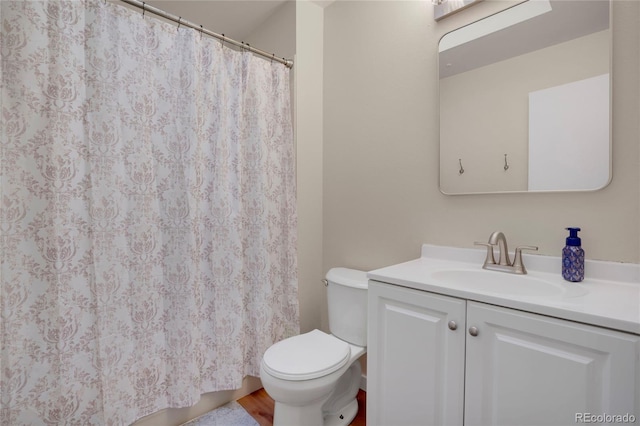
233 18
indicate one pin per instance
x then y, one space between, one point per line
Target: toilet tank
347 301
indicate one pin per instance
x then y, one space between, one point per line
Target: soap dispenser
573 257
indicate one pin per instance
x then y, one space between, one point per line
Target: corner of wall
308 69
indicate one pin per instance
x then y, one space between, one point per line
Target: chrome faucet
504 263
498 238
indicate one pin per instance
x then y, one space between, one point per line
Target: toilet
314 377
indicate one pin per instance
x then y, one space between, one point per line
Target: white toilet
314 377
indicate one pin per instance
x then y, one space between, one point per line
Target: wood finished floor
260 405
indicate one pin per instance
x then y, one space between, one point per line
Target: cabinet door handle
473 331
453 325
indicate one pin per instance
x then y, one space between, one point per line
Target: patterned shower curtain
147 214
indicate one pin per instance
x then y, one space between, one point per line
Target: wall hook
461 171
506 165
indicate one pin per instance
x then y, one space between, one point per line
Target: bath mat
231 414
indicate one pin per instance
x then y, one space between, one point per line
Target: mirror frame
610 115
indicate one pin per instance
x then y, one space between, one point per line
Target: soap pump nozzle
573 239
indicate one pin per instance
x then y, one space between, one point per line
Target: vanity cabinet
415 361
441 360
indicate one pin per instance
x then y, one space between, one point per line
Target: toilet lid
307 356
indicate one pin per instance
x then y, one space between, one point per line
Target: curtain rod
183 22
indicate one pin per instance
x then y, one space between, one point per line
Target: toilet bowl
314 378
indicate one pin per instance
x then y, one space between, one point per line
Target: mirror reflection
525 100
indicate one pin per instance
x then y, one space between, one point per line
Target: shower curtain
147 220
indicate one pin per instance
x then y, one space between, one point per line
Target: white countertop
608 297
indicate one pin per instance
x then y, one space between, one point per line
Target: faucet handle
489 260
518 266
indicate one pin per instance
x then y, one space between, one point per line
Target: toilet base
336 409
311 415
308 415
344 417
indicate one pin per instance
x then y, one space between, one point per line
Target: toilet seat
306 356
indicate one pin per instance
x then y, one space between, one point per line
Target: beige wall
381 197
309 138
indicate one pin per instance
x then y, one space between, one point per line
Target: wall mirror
525 103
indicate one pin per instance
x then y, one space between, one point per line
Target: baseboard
363 382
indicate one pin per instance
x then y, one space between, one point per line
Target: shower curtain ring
179 19
223 39
201 31
143 8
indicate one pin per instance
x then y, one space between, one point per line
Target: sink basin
501 283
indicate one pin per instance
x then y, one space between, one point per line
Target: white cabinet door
527 369
415 361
